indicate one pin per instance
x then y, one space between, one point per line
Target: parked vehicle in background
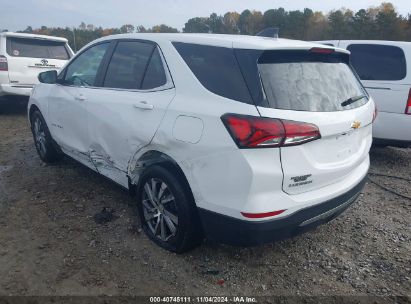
384 68
24 56
244 139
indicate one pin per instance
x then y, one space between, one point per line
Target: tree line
381 22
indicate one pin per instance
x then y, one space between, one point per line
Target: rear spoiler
304 55
31 36
269 32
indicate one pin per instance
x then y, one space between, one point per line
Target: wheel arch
155 157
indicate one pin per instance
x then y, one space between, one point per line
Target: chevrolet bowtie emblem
356 124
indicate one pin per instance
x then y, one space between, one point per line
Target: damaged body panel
194 107
117 128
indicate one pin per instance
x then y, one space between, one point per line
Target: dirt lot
50 244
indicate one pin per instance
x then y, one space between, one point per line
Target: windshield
307 81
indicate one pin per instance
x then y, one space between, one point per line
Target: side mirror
48 77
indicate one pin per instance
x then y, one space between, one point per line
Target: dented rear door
124 115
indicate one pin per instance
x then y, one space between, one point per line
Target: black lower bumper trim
233 231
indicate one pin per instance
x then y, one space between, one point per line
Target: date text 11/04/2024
205 299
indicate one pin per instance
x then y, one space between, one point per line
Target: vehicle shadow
13 106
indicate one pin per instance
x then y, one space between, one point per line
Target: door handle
143 105
80 97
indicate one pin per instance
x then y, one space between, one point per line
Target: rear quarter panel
222 177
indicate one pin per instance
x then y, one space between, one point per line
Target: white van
384 68
24 56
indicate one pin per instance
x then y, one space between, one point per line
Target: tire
171 205
45 146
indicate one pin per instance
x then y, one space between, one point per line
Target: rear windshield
36 48
306 81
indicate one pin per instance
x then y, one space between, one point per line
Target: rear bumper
7 89
232 231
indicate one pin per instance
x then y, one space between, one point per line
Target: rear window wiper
352 100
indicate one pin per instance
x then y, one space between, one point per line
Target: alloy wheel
159 209
40 136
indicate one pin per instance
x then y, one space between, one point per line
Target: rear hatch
317 87
27 57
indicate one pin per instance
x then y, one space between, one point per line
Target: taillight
375 114
3 64
261 132
408 107
297 133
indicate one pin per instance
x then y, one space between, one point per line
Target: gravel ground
50 244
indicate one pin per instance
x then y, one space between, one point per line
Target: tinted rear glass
217 70
128 65
36 48
378 62
247 60
305 81
155 76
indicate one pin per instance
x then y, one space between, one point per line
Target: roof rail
270 32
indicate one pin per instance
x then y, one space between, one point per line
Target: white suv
24 56
384 68
241 139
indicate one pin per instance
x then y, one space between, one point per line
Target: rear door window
155 75
378 62
128 65
217 70
36 48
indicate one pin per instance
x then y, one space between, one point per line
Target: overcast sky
17 14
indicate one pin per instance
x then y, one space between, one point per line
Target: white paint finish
334 155
405 46
7 89
117 128
390 96
237 41
105 166
392 126
120 129
33 36
188 129
330 158
68 116
23 71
